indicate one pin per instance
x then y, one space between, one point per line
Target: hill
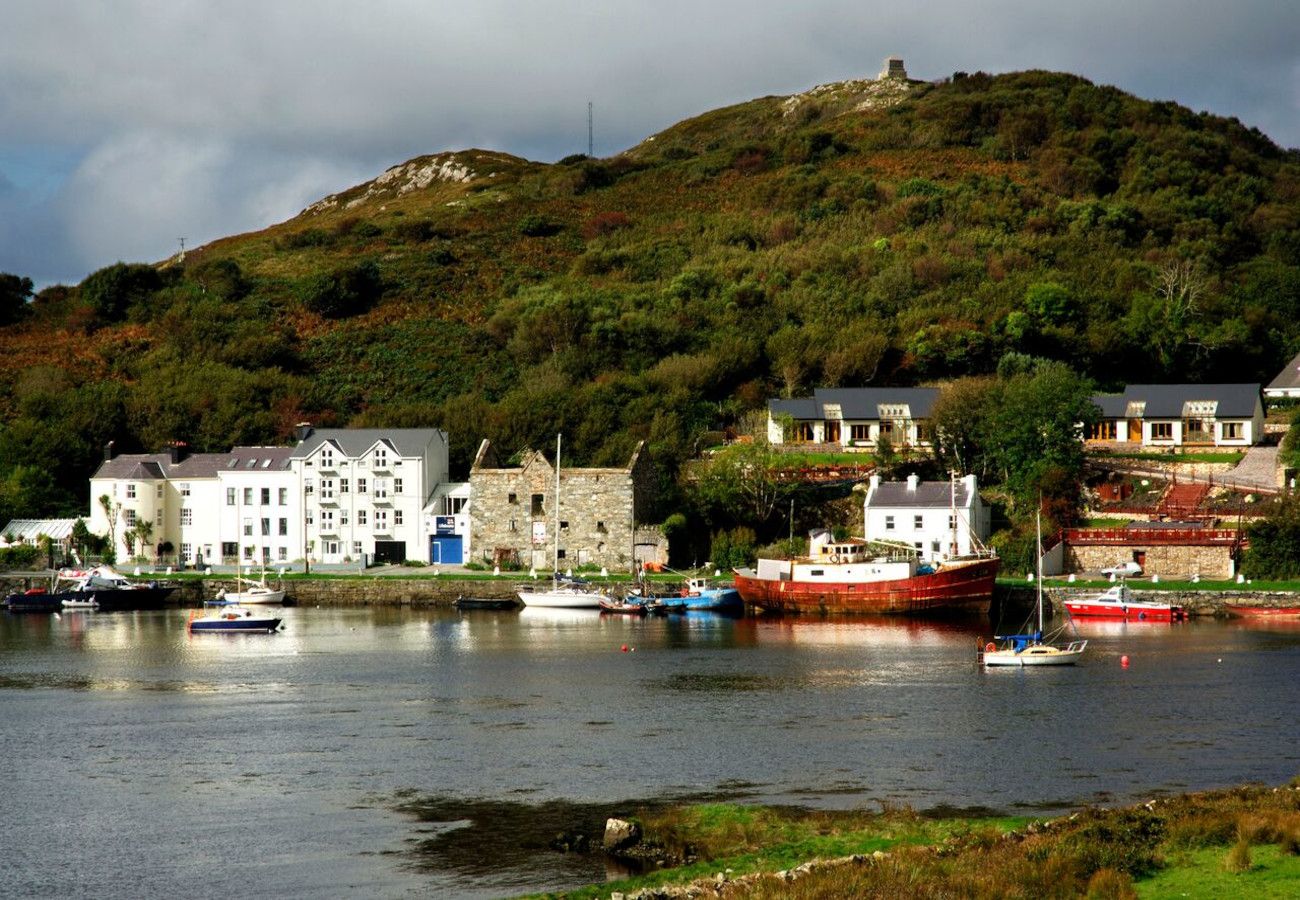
861 232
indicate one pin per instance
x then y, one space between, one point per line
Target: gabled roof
1167 401
1289 377
155 466
928 495
1113 406
857 403
357 442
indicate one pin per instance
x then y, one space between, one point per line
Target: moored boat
33 600
560 596
227 618
1261 612
628 607
100 586
464 602
1119 602
855 576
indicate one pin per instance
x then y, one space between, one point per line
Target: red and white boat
856 576
1120 603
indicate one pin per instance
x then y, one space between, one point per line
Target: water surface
390 753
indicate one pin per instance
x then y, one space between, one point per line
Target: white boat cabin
834 562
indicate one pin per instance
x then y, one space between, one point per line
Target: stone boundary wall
1197 603
1167 561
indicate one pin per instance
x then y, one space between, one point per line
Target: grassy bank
1239 842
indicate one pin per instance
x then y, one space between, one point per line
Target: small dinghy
486 603
627 607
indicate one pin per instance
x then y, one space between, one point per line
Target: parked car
1123 570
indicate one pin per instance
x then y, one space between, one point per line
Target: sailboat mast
555 549
1038 556
952 510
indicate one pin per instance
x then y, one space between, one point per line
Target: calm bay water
390 753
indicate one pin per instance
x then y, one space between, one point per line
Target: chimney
302 431
177 450
108 451
912 482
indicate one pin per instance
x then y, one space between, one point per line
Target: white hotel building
341 494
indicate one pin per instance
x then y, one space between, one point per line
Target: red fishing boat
871 578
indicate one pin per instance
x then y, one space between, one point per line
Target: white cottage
931 516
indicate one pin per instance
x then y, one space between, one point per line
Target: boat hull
135 598
956 587
485 603
1263 612
560 599
36 602
1024 658
255 625
256 598
1082 609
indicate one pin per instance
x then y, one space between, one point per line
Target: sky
127 126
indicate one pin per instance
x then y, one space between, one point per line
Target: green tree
15 291
112 290
1275 542
741 483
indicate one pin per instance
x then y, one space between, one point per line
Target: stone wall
513 512
1165 561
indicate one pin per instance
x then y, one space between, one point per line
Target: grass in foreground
1240 842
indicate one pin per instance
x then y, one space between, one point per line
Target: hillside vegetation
862 233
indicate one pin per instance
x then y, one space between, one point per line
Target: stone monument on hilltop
893 68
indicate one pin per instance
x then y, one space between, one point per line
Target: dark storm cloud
199 119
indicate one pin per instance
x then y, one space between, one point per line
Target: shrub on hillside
537 226
605 223
111 291
343 292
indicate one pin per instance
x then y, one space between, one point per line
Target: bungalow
932 516
1287 382
1180 415
853 417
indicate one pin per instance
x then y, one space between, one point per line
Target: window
230 496
397 485
284 496
158 491
327 458
860 432
381 488
130 517
512 498
207 551
248 528
952 522
248 552
397 517
356 548
229 548
563 525
889 523
282 554
381 458
343 517
454 505
185 551
185 489
381 520
918 522
1162 431
187 516
802 433
266 496
248 496
1103 431
327 488
1232 431
361 485
308 518
561 553
600 527
266 528
538 509
343 485
327 520
308 487
130 492
284 527
158 519
361 517
513 527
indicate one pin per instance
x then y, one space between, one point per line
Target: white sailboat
1029 649
258 592
561 595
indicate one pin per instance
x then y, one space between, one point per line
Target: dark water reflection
388 752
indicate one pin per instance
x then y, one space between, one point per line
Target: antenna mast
590 143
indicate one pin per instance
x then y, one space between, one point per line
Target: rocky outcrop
620 834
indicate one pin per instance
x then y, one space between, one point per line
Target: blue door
446 549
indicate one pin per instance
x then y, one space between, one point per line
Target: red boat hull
1085 610
1252 612
957 587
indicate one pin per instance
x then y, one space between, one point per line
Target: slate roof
928 495
1113 406
354 442
857 403
150 466
1166 401
1289 377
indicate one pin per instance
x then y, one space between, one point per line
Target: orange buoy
625 648
990 647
